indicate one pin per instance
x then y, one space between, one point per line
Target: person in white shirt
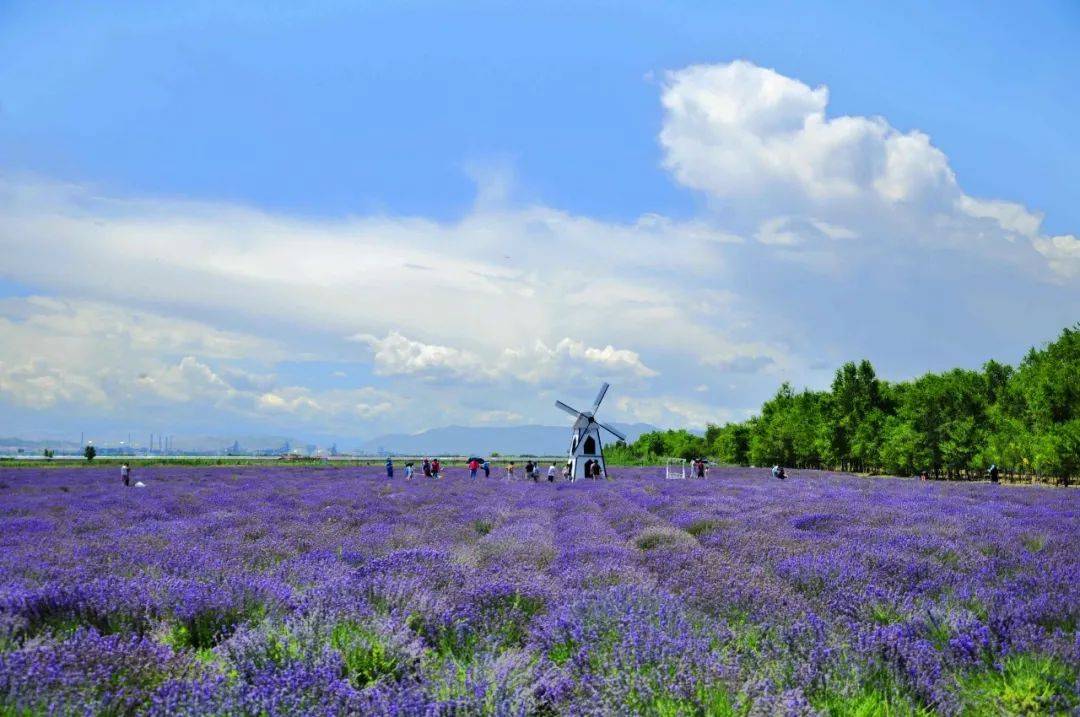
551 473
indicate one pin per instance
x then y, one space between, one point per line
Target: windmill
585 447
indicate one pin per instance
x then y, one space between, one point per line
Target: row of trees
952 424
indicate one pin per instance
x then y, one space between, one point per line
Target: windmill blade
600 396
612 431
572 411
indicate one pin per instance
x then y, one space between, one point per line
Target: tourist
436 468
597 471
551 473
474 465
408 471
700 467
778 472
125 474
389 468
993 473
588 468
426 467
528 469
487 468
566 473
510 471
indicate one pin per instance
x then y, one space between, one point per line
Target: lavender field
299 590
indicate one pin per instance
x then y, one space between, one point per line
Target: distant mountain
485 440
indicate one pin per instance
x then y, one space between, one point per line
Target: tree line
1024 419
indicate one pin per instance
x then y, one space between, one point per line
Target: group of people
533 470
432 468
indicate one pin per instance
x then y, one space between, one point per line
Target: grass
209 627
704 526
1033 543
365 653
1025 685
879 695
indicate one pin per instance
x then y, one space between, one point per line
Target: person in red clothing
436 468
474 465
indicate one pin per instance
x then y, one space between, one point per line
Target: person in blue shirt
487 468
389 468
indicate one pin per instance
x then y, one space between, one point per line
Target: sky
350 219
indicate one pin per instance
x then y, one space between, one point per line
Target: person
551 473
588 468
436 468
566 473
597 472
427 468
389 468
474 465
125 474
528 469
993 473
486 465
700 466
778 472
510 471
408 471
924 475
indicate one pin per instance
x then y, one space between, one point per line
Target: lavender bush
299 590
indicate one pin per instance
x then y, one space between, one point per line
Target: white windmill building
585 447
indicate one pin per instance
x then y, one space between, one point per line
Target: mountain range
485 440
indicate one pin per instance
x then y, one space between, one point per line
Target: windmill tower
585 446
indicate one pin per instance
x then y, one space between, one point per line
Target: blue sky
523 142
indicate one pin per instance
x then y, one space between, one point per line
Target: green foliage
89 452
953 424
1025 685
48 453
654 446
878 695
365 653
207 628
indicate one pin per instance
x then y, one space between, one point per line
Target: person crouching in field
778 472
125 474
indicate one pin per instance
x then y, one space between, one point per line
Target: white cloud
750 135
833 237
738 129
396 355
58 354
1062 252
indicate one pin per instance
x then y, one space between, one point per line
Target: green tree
90 452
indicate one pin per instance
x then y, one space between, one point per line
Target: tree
48 453
90 452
